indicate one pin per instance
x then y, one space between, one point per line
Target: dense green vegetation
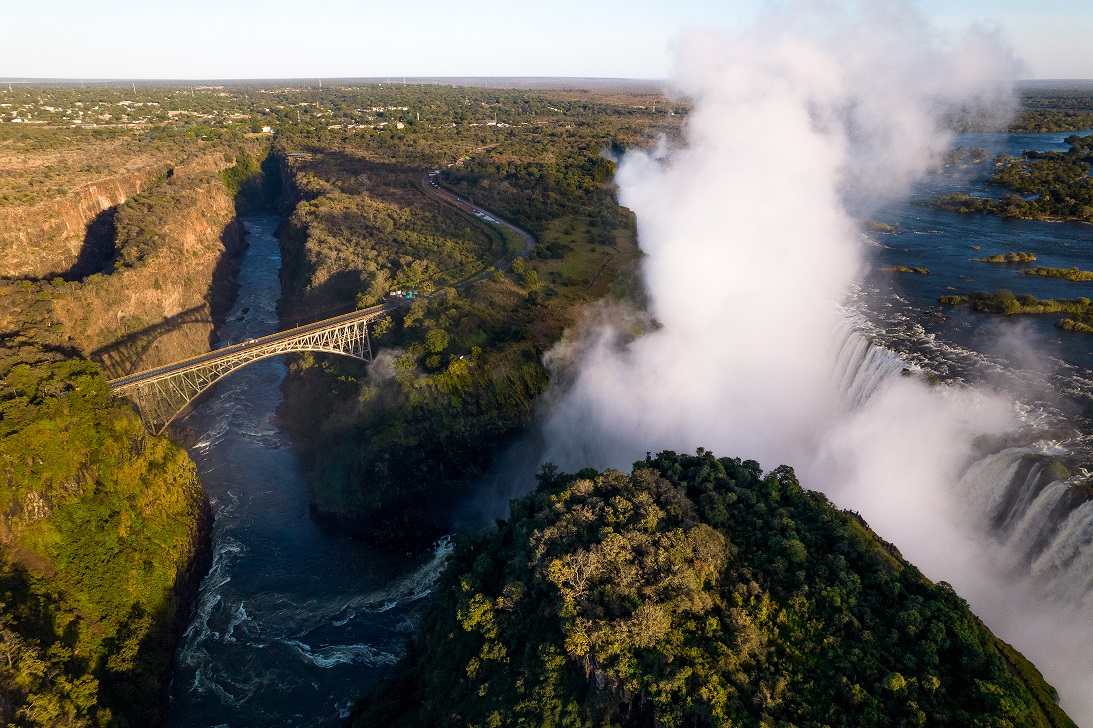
1079 310
398 444
543 176
907 269
102 531
364 228
1010 257
698 592
1044 120
1055 109
390 448
1060 181
1069 274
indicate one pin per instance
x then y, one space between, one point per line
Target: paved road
433 188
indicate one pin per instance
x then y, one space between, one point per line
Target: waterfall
983 488
1066 565
861 366
1035 527
1011 494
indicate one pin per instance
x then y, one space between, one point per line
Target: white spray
750 250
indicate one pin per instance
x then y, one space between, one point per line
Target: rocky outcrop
48 238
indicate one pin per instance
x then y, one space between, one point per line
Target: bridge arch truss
162 394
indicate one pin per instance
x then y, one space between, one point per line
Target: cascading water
1065 567
861 367
1019 496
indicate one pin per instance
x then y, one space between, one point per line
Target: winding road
433 188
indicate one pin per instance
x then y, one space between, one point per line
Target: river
293 621
943 242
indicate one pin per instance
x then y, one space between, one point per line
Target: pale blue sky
339 38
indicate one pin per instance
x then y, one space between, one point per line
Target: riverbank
391 449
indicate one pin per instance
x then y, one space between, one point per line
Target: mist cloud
751 249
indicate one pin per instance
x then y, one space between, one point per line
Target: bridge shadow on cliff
126 355
98 248
333 297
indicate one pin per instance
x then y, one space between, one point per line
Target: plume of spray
750 249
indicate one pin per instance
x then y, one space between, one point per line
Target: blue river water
906 305
293 621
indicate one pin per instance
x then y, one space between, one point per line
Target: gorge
766 335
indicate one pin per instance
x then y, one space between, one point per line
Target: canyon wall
52 230
170 277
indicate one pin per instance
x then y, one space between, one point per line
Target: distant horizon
370 79
514 82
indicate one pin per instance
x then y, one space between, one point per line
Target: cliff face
46 239
171 277
50 235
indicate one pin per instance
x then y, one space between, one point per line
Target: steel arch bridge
161 394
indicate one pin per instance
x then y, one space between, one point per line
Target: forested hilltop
698 591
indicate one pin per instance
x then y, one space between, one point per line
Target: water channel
293 621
